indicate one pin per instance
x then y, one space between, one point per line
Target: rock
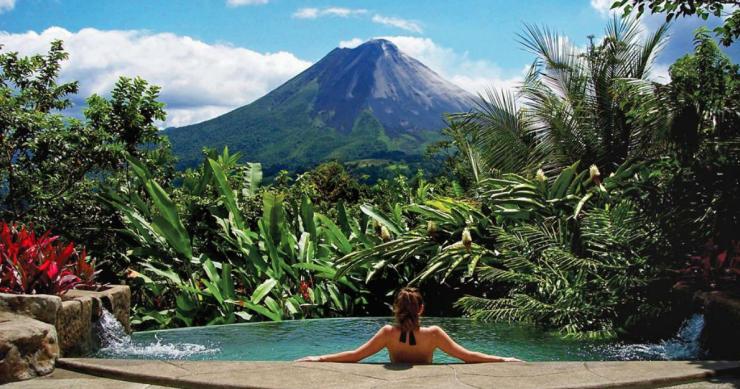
118 301
72 315
40 306
28 347
115 298
74 327
721 334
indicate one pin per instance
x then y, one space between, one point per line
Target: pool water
289 340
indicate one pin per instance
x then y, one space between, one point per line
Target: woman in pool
407 342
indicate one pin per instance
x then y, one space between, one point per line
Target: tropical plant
565 110
31 264
439 235
697 115
440 242
281 268
571 241
728 31
52 165
583 279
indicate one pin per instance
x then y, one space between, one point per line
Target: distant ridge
372 101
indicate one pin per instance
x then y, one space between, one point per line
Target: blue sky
211 56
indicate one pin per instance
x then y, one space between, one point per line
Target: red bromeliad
39 265
715 267
304 287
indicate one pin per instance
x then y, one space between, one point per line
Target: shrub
31 264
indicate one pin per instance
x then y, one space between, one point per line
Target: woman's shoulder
433 329
387 329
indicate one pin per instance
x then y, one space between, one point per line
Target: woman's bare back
407 341
426 340
404 352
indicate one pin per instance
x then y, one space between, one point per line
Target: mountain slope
372 101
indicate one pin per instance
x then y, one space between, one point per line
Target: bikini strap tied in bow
412 338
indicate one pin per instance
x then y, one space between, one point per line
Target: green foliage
561 204
583 278
281 269
572 248
333 183
51 165
727 32
282 132
565 110
581 252
697 117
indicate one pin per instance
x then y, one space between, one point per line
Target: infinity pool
289 340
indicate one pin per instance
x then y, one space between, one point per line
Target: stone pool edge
260 375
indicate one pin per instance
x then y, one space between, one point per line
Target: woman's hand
309 359
512 360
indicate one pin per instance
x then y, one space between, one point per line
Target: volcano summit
372 101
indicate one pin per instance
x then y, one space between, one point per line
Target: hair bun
407 307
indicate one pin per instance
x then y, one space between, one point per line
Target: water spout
116 343
685 345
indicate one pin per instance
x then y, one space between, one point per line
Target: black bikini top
412 339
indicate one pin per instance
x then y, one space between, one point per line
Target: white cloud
472 75
313 13
238 3
659 73
350 44
6 5
404 24
306 13
198 80
603 7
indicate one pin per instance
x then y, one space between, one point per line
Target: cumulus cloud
472 75
350 44
198 80
313 13
403 24
238 3
6 5
603 7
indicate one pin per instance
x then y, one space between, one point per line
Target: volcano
372 101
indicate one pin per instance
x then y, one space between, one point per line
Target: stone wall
37 329
41 307
116 299
721 334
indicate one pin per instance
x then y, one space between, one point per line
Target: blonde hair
406 309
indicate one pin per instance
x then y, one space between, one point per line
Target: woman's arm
372 346
451 348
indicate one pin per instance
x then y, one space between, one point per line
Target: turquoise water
289 340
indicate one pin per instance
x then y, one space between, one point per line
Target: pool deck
130 374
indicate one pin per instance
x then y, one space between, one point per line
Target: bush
30 264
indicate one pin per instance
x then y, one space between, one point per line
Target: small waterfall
116 343
684 346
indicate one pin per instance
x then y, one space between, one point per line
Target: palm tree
566 110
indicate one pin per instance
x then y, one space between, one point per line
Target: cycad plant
436 238
565 110
570 249
579 279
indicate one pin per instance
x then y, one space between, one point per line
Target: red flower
304 287
31 264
